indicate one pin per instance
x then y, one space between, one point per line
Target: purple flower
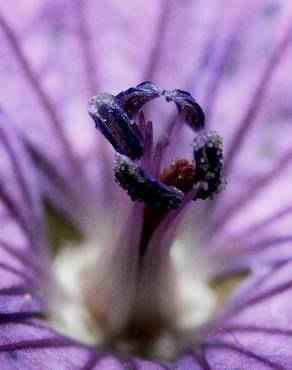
171 275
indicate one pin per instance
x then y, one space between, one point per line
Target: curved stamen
208 159
113 122
133 99
194 114
143 187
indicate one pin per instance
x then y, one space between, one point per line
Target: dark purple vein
201 360
267 221
21 274
50 170
159 37
258 245
130 365
250 354
16 165
54 342
254 190
91 363
15 317
256 100
13 209
86 47
39 91
260 297
232 38
16 290
257 329
21 256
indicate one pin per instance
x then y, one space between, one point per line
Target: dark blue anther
114 123
134 98
185 102
143 187
208 164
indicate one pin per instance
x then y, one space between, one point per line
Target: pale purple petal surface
23 266
235 60
254 332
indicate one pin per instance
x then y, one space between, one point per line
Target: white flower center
196 301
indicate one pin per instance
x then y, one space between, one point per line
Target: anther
114 123
143 187
134 98
208 164
195 117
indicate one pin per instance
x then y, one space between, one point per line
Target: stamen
208 162
114 123
194 114
113 116
134 98
143 187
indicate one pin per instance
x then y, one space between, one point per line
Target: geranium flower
94 278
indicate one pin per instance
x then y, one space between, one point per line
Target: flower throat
129 293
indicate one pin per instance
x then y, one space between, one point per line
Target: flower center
197 299
136 294
195 302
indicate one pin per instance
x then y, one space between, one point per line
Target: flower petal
31 345
22 267
189 361
254 330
